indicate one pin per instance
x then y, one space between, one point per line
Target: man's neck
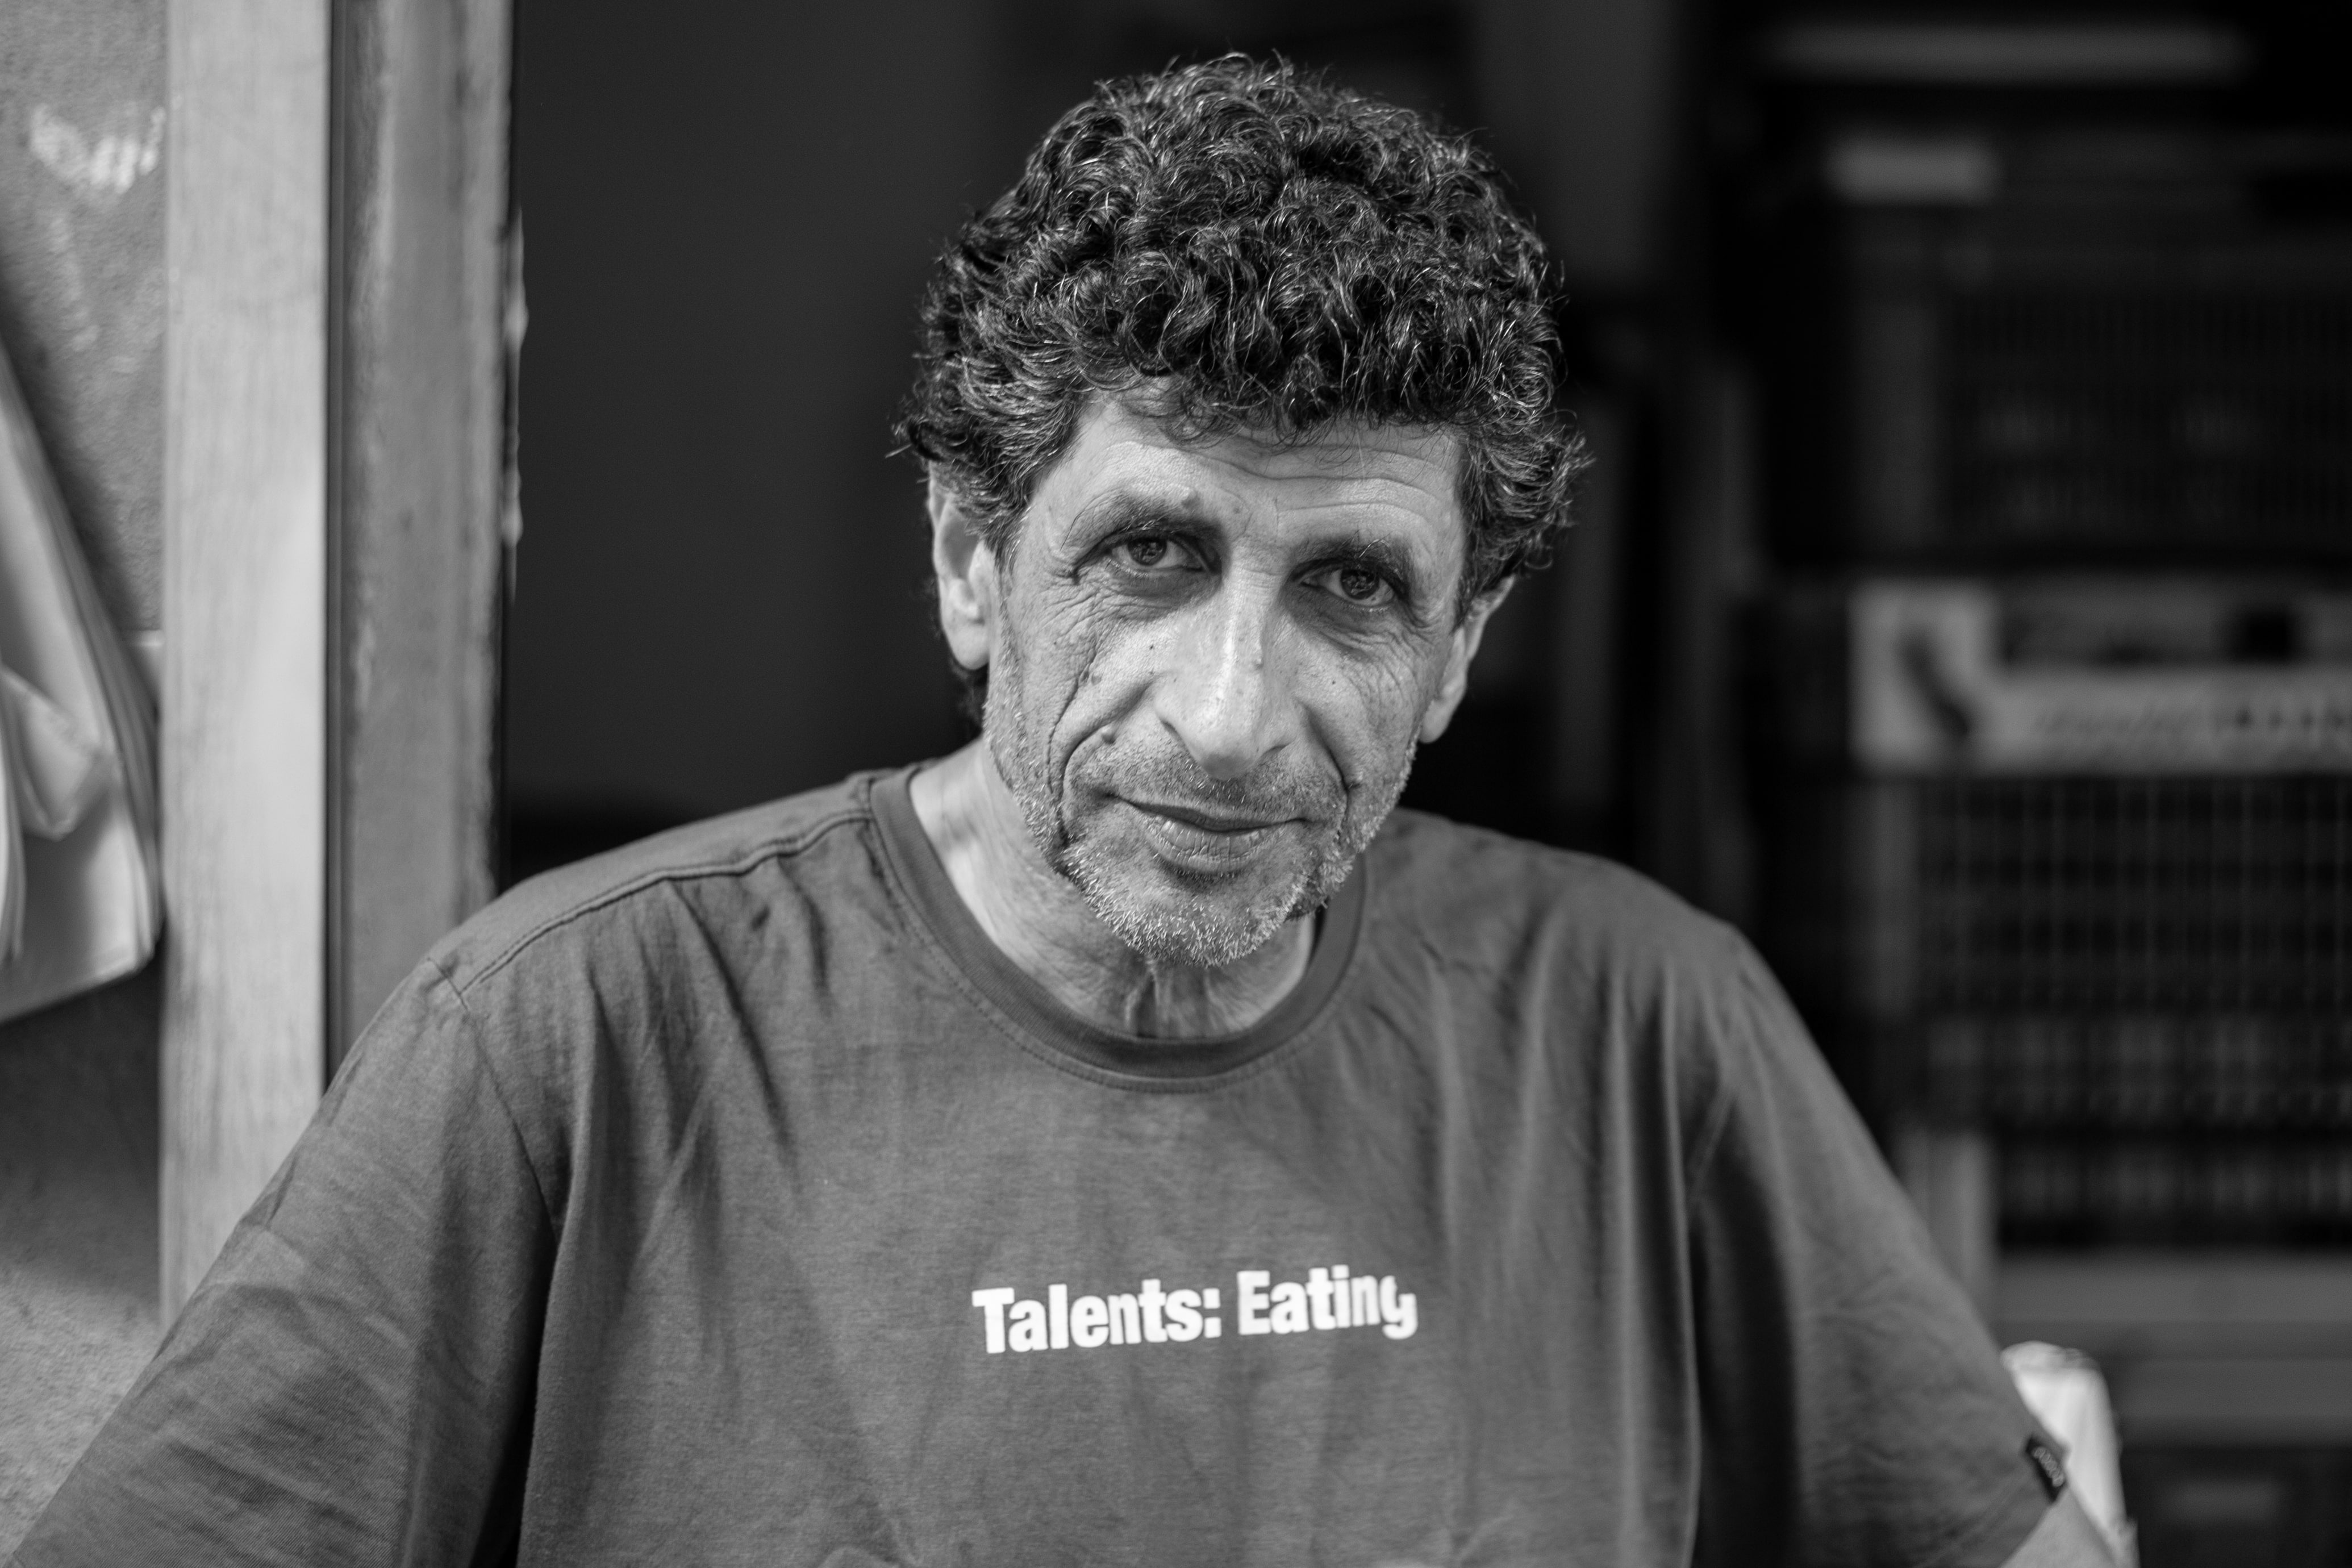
1043 924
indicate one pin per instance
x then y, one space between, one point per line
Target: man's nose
1225 695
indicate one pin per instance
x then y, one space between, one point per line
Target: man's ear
1456 678
966 570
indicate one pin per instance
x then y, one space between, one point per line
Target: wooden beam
244 608
422 482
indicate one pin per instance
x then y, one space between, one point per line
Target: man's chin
1190 933
1178 914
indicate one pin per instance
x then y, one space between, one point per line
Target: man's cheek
1108 670
1072 615
1370 713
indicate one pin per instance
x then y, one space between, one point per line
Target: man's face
1210 664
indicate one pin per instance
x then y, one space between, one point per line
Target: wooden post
243 726
424 495
336 492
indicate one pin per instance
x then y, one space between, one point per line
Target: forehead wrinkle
1386 514
1346 449
1343 449
1373 497
1331 445
1377 478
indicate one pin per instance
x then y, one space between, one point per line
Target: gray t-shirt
732 1199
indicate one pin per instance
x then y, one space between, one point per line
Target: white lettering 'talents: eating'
1326 1298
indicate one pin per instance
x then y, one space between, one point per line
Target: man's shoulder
1470 890
696 869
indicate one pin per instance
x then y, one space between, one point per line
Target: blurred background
1958 603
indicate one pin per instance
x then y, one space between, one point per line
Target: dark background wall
720 593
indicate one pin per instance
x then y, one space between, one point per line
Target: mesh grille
2141 986
2123 894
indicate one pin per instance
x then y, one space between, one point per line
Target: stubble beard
1166 917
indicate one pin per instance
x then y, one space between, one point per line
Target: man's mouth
1207 821
1205 840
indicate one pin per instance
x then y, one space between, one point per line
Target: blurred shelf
2210 1349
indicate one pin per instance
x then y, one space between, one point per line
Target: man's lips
1207 821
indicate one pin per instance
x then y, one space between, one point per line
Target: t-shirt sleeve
352 1381
1855 1410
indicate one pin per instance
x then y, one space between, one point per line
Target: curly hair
1250 245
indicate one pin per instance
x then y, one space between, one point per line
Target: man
1125 1140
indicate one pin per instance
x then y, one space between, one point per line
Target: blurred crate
2063 885
1914 899
2146 420
2138 987
1998 388
2135 975
2114 894
2077 796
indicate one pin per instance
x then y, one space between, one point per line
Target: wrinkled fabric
731 1199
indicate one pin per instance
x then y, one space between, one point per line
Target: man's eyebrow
1385 556
1132 509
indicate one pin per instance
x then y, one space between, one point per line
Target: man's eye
1153 562
1360 586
